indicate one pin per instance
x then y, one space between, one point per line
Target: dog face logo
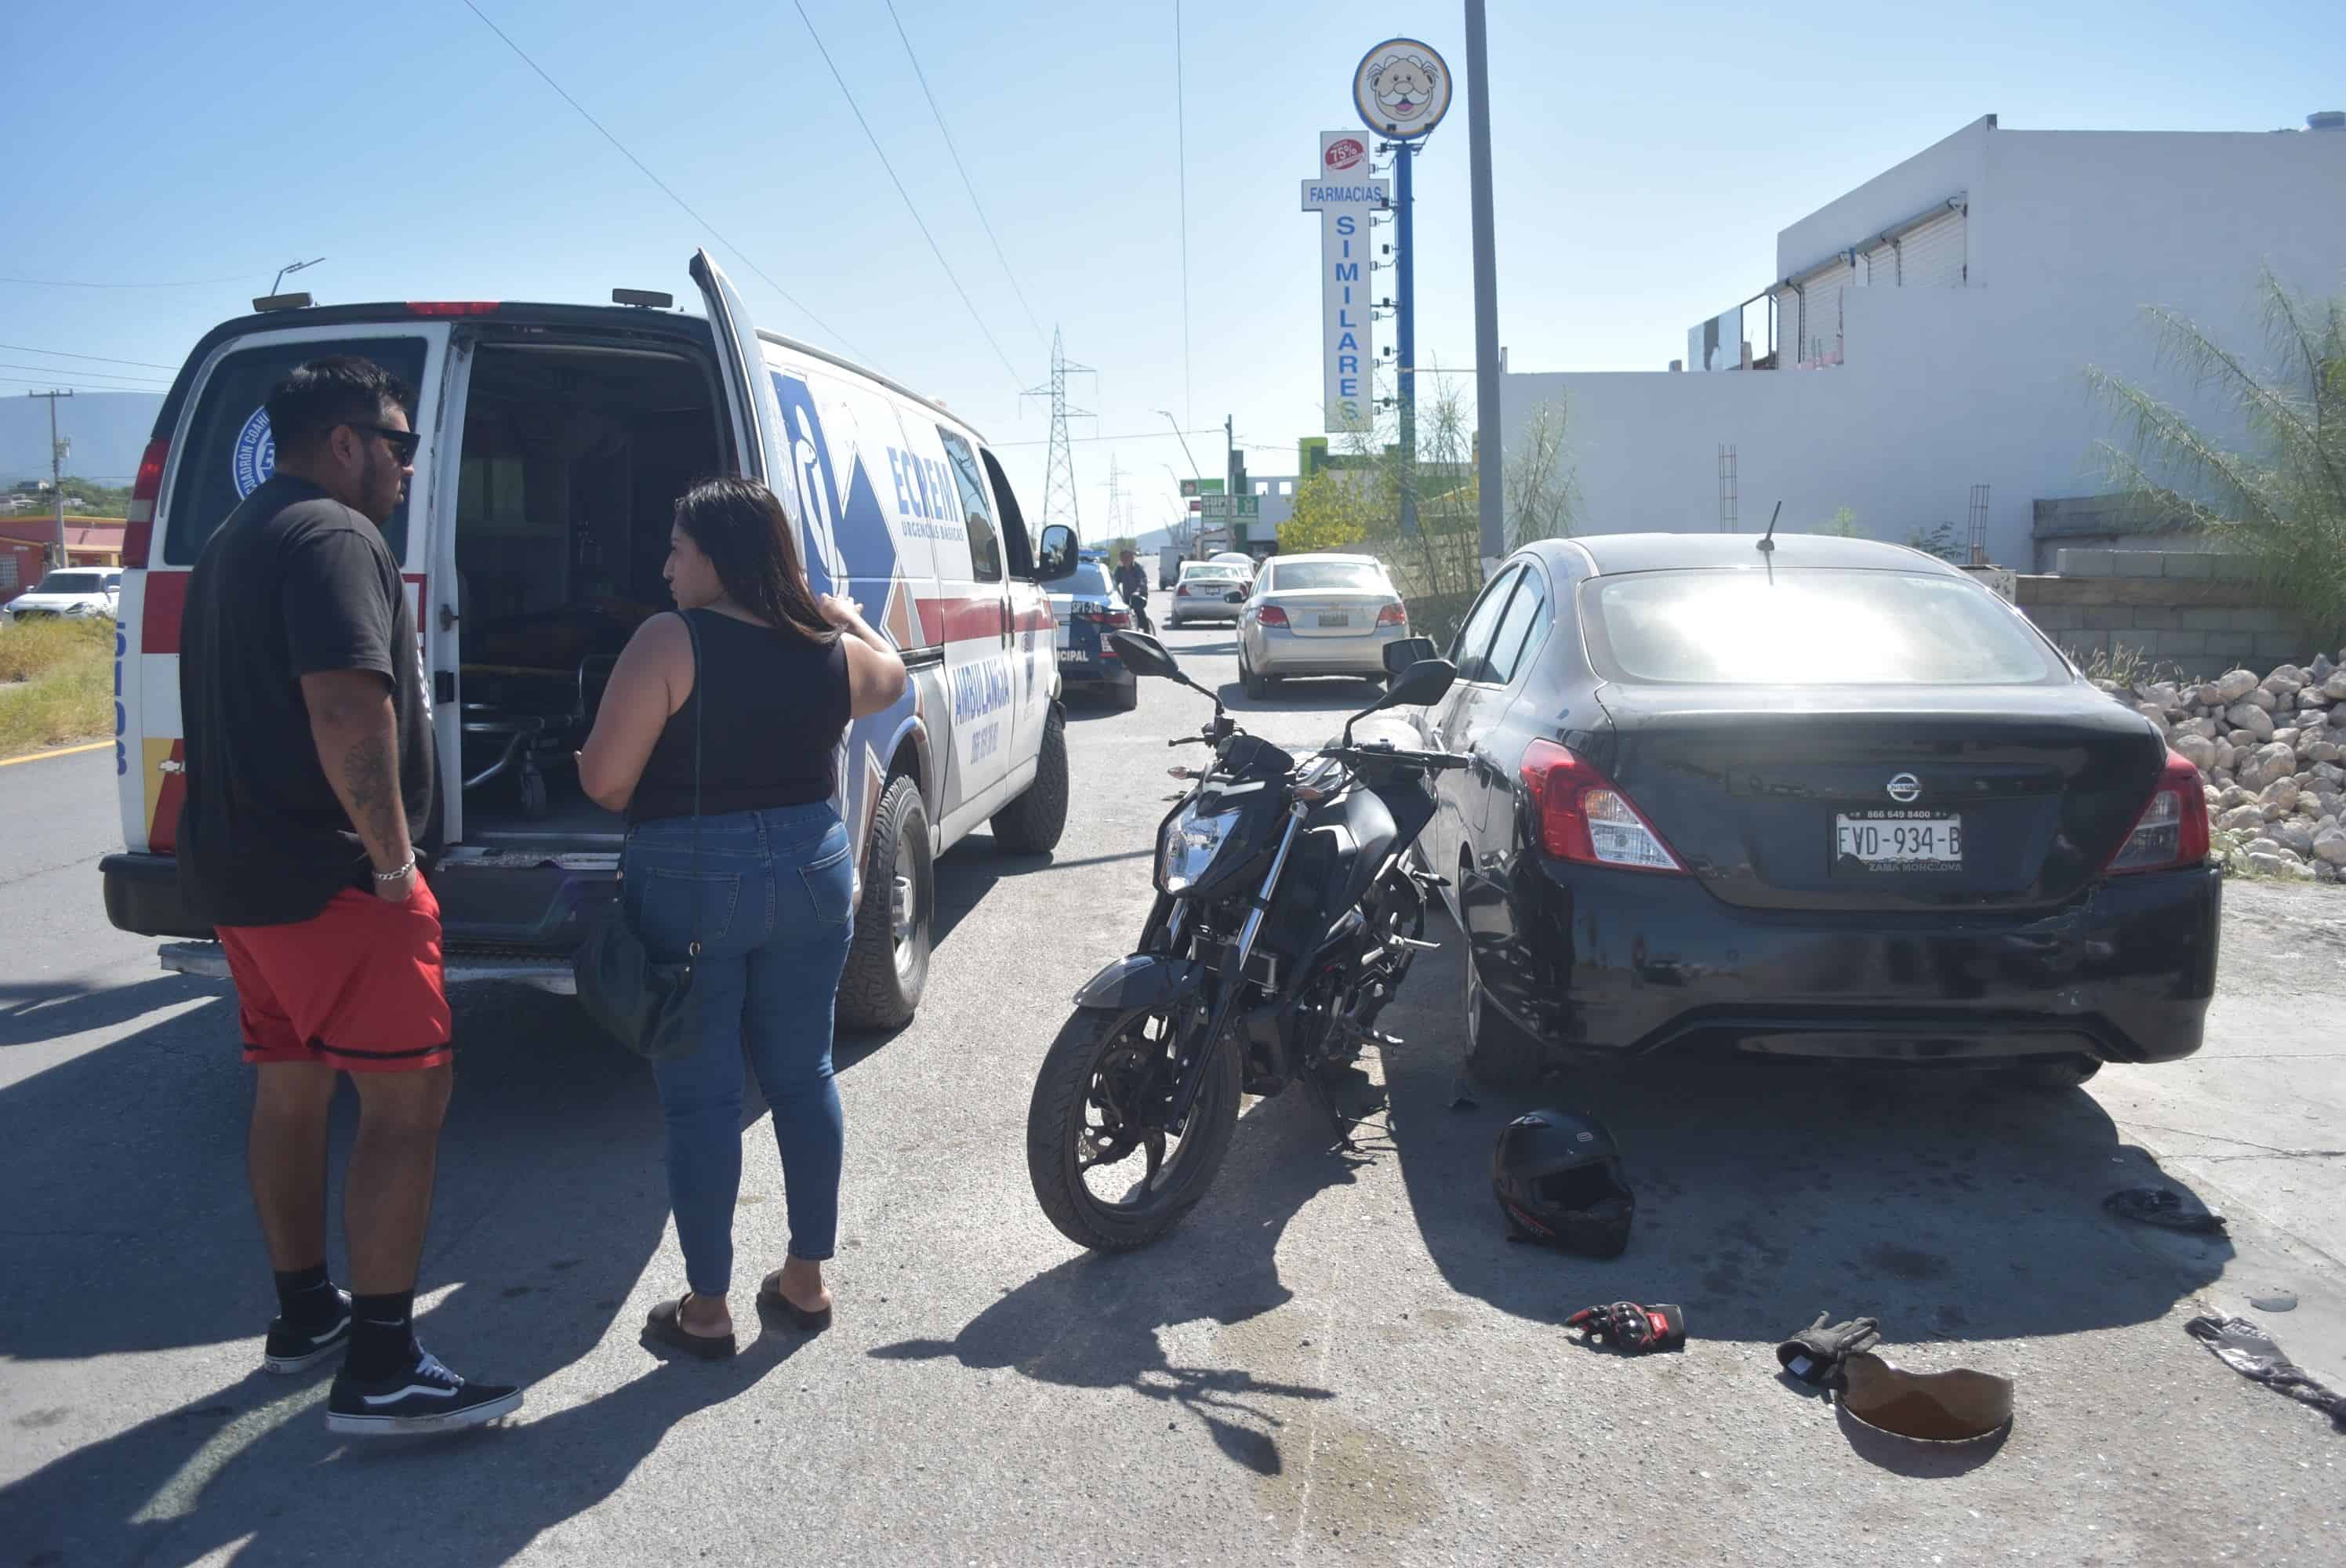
1402 88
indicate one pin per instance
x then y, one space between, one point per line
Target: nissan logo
1905 787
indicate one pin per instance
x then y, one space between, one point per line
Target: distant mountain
108 431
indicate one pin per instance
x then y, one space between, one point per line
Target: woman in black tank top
759 880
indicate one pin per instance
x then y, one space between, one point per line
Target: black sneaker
296 1346
426 1397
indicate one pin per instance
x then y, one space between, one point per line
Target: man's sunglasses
402 443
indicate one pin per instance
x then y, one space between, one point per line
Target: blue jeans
771 901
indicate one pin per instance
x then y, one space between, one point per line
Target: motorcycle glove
1815 1354
1630 1328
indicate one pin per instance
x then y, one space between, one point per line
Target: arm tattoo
373 780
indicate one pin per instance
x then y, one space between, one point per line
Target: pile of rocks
2271 751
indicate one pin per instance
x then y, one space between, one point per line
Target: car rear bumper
528 903
1184 610
1283 653
1599 962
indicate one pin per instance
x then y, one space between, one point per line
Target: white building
1929 332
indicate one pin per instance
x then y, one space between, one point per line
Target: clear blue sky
1645 157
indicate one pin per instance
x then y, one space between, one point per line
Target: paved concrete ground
1336 1357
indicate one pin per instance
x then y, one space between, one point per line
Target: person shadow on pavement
551 1200
1096 1320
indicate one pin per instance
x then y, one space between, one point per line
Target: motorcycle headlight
1190 846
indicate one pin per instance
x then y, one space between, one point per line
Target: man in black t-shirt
309 779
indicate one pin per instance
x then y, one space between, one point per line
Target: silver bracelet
394 876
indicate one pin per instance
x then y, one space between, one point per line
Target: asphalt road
1336 1358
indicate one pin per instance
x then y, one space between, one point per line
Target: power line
98 375
100 359
1182 149
29 382
1138 436
965 183
76 283
901 191
656 179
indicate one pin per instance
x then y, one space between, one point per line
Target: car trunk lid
1883 798
1341 614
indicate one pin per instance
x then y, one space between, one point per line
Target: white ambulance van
555 440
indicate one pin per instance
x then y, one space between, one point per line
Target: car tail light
1270 615
1585 817
138 534
452 307
1181 590
2173 829
1393 614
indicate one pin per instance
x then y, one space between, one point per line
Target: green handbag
648 1006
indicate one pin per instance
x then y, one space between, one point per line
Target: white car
1208 590
521 597
76 592
1318 615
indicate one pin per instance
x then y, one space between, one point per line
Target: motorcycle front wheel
1105 1179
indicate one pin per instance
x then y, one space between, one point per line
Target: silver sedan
1318 615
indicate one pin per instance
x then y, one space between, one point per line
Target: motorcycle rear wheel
1072 1113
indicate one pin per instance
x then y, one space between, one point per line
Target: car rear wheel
2054 1073
1498 1055
888 961
1256 688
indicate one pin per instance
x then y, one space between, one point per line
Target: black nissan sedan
1834 798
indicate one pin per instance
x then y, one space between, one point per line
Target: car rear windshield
1809 627
73 583
226 449
1083 577
1225 573
1327 577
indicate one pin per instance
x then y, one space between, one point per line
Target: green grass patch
57 683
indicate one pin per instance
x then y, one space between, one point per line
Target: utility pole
57 450
1490 471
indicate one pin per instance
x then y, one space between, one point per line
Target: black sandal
773 1303
666 1324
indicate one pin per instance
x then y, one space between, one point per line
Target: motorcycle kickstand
1316 1092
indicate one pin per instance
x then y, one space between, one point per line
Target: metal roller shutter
1819 342
1935 255
1879 267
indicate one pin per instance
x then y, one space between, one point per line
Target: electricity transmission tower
1059 469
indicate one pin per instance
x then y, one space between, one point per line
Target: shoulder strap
699 698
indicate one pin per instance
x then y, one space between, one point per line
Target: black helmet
1558 1179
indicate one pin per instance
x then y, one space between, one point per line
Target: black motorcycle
1136 599
1287 915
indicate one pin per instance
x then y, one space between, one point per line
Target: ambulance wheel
1031 824
888 958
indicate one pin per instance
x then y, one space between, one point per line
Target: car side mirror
1144 654
1405 652
1421 684
1057 555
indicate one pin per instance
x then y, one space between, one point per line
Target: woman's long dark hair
747 537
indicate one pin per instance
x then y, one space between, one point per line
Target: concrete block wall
2200 613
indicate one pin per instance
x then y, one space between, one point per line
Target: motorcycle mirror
1144 654
1422 683
1400 655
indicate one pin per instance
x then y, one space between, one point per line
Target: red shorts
358 986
